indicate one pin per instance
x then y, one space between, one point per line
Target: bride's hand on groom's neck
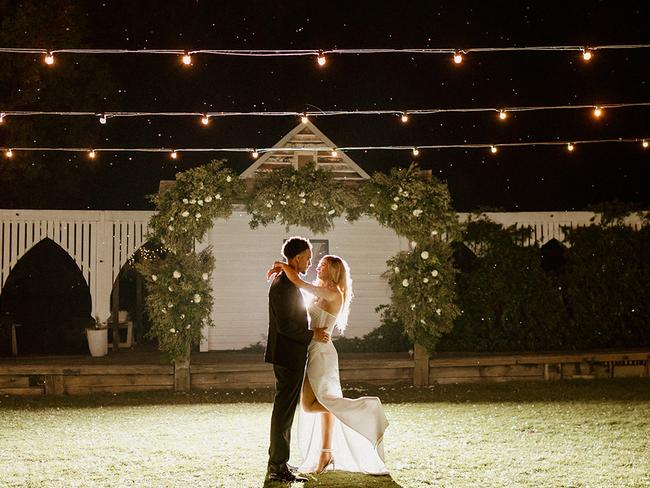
272 272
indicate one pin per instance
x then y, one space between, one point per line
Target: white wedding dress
359 424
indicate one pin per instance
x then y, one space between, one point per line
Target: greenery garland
411 204
188 209
421 279
179 299
308 197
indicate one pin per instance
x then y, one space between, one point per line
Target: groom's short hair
294 246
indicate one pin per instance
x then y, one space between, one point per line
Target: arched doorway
48 300
128 296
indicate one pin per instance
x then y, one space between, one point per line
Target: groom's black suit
286 348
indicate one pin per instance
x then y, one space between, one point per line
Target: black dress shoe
286 477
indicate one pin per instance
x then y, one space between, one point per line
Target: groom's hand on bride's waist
321 335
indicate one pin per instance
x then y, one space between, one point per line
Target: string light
503 115
405 118
2 117
92 154
205 120
321 59
49 58
598 112
187 59
458 57
644 144
174 154
334 153
587 51
570 147
304 116
415 151
9 153
255 154
102 119
493 149
312 149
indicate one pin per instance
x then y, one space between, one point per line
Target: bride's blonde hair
339 274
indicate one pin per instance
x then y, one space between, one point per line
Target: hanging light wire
321 52
326 149
323 113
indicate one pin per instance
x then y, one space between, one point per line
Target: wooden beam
182 374
421 366
54 384
115 307
139 309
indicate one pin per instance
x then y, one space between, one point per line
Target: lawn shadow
340 479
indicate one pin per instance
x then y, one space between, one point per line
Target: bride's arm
319 291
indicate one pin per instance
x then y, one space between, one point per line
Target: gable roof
305 136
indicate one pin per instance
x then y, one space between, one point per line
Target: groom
286 349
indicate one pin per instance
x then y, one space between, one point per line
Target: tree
28 84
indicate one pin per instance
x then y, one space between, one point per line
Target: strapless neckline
323 310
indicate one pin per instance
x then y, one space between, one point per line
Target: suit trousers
288 383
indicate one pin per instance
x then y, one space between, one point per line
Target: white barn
101 242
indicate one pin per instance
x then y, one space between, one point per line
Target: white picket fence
100 242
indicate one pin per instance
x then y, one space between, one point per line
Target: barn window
304 160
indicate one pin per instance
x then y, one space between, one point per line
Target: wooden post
14 344
139 305
182 374
115 307
420 366
547 373
54 384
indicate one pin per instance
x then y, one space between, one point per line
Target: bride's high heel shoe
328 464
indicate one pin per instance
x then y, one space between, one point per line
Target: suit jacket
289 334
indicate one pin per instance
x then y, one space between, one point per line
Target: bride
334 431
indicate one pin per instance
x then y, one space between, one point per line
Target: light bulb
493 149
49 58
416 151
304 119
9 153
598 112
570 147
458 57
205 120
92 154
334 153
255 154
503 115
174 154
102 119
2 118
321 59
586 54
405 118
644 144
187 59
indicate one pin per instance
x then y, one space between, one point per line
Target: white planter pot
97 341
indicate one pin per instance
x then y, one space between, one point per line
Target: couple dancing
333 431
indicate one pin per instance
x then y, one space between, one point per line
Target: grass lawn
560 434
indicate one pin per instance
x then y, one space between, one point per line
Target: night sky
516 179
